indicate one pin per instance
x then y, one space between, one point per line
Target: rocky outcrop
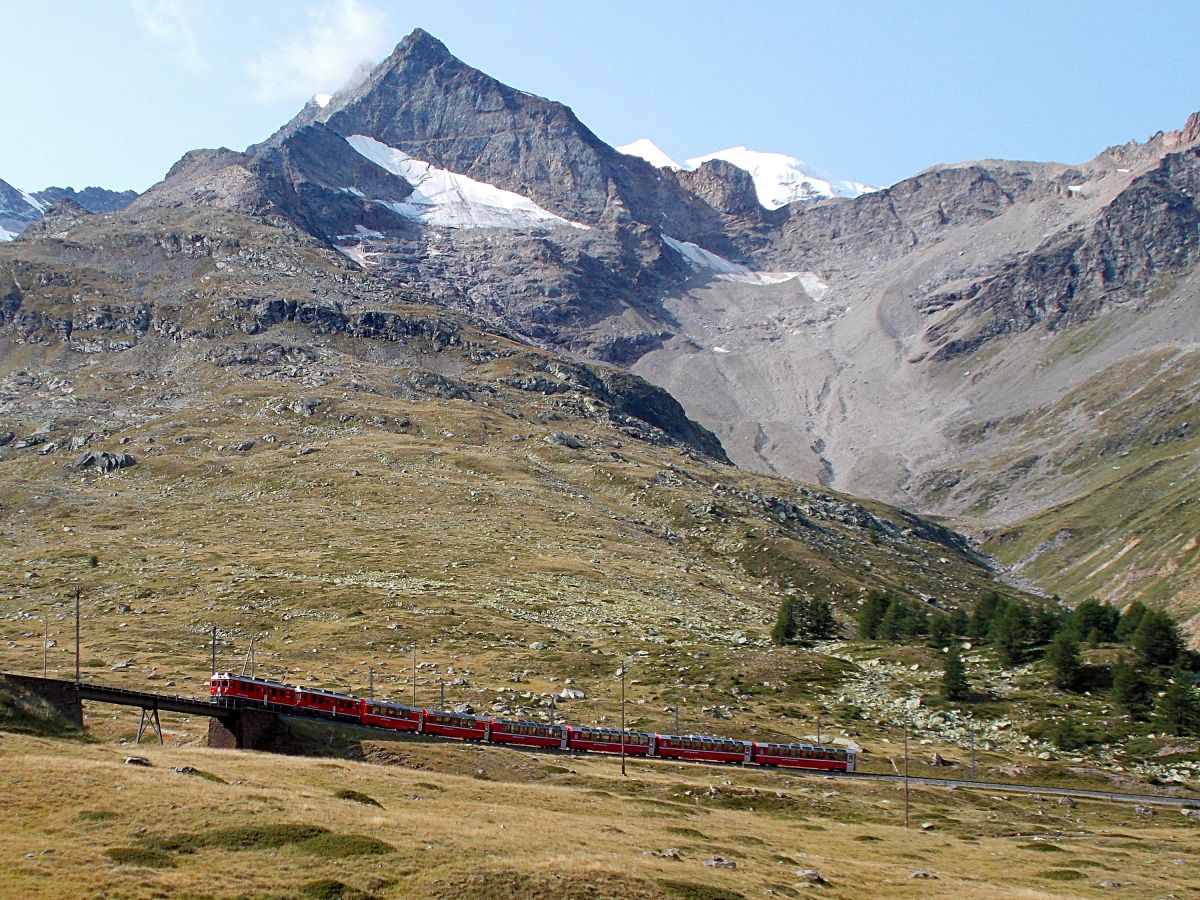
1150 231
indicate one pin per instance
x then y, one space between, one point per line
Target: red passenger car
225 685
805 756
711 749
529 734
457 725
608 740
392 715
327 703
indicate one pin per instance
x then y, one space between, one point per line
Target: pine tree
894 625
955 685
1063 657
1010 633
1093 616
981 616
784 631
1157 639
960 622
1130 620
1179 710
870 616
1131 691
940 631
815 621
1047 622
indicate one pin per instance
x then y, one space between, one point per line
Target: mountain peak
421 41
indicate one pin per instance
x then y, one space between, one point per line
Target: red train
398 717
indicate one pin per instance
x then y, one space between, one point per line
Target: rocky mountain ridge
873 344
19 209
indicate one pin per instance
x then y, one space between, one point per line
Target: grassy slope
1110 471
476 823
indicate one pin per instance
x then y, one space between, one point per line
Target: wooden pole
414 674
371 686
906 771
442 699
213 666
973 750
77 679
622 719
46 647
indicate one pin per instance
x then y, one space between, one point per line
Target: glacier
450 200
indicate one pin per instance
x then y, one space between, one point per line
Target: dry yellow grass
486 822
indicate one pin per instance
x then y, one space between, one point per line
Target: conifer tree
1131 691
955 685
1010 633
1157 639
1130 620
784 631
870 616
1063 657
1179 710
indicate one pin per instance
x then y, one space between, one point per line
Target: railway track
221 707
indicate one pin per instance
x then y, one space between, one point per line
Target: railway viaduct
230 724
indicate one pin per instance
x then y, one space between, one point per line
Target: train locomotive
564 738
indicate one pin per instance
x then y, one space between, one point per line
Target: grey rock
243 446
136 761
812 876
720 862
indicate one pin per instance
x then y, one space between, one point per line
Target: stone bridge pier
242 729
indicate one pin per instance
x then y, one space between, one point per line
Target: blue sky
112 93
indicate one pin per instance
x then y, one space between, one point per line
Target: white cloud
340 36
170 21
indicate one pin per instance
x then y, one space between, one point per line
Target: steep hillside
208 419
861 343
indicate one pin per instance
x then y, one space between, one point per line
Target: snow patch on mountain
702 260
650 152
780 179
450 200
6 235
33 201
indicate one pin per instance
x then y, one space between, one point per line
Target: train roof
324 693
247 678
612 731
391 705
821 747
704 737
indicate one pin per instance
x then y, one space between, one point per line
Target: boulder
720 862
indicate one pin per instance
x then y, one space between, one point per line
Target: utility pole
46 647
906 771
371 683
414 673
553 699
818 729
77 680
213 668
973 751
622 719
442 700
675 709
